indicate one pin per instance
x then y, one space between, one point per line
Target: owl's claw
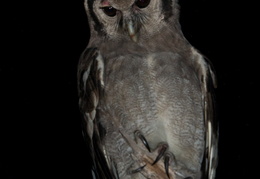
166 165
161 151
138 169
168 158
143 139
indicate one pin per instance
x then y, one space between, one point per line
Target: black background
40 121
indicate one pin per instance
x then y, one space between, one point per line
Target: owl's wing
90 86
208 83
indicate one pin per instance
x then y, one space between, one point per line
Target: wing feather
90 87
208 83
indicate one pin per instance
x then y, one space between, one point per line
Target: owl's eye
110 11
142 3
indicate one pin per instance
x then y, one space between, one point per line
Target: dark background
40 121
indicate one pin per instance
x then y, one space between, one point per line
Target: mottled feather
156 84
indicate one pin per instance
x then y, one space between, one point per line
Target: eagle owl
145 94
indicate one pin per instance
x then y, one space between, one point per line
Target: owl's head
130 19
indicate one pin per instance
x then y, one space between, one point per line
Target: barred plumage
146 98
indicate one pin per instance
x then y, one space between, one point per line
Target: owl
145 94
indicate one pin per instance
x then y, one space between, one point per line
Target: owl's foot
161 152
161 149
168 157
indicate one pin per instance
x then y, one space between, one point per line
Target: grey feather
139 73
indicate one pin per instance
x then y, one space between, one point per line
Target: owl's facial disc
127 17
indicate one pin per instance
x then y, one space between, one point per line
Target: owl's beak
131 31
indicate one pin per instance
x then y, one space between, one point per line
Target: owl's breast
158 94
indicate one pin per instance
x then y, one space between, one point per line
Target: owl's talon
138 169
143 139
166 165
162 150
168 158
